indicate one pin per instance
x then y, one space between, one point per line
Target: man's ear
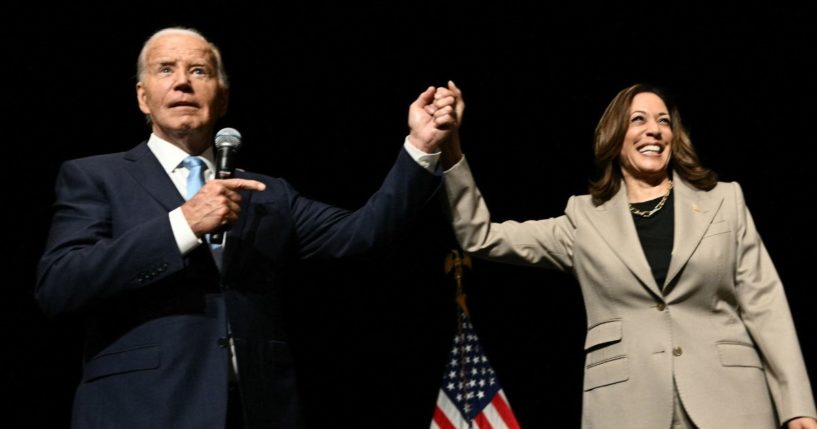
141 98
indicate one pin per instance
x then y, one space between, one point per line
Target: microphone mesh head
228 137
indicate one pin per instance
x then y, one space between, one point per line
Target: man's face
180 88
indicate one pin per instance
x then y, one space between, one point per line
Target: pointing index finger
237 184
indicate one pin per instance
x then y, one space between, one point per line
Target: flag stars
469 382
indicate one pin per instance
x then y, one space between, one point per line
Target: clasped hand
435 116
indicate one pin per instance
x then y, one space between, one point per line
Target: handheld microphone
228 141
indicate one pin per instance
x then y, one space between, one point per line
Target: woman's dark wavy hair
609 138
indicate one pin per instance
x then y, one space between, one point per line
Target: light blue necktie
195 175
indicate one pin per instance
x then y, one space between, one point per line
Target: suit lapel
149 174
615 225
694 211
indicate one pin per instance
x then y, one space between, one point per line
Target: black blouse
656 235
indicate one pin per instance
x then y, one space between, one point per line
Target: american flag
470 396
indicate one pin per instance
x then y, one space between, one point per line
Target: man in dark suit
179 330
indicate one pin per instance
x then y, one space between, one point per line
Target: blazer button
677 351
661 306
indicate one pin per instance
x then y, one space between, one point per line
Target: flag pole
456 261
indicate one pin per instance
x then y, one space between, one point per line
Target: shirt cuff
428 161
185 238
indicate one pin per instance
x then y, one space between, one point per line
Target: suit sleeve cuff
456 166
428 161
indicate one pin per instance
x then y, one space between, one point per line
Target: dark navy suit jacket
156 352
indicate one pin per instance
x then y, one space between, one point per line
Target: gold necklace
660 205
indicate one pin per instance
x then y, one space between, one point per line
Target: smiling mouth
651 148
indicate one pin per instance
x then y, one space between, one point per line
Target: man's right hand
216 204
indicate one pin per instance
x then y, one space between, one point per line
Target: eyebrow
644 112
171 61
162 61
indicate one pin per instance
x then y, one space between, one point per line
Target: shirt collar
170 155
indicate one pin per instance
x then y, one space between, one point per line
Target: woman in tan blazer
687 322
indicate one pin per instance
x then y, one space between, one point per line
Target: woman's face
646 151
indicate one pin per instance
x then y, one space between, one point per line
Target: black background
321 93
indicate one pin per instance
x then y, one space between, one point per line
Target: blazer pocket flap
736 354
120 362
716 228
605 332
608 372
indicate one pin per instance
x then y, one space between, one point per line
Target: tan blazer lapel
615 225
694 211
